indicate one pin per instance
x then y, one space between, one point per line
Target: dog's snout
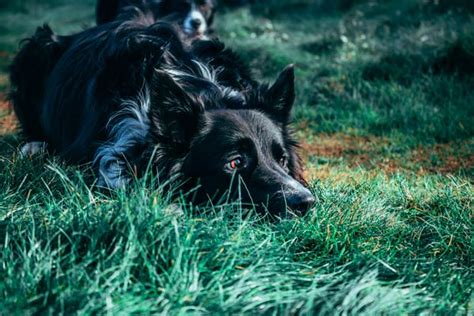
298 198
300 201
196 23
292 198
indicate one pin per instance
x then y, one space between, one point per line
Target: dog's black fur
130 92
41 52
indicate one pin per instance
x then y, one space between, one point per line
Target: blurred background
384 84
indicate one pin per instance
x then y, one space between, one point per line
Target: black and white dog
194 17
41 52
129 93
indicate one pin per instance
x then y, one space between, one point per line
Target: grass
385 118
375 68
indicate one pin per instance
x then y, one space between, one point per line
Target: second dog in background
194 17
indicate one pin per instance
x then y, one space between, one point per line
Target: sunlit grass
372 244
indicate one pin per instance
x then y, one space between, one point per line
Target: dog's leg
128 131
33 148
28 75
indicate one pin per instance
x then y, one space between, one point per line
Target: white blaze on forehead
195 14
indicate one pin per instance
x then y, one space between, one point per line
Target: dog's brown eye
283 161
234 164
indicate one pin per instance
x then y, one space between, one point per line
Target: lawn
385 116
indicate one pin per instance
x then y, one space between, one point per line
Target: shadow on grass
312 9
328 45
9 144
457 59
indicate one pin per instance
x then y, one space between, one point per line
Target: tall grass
372 245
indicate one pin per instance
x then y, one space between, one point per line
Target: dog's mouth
274 205
191 33
277 206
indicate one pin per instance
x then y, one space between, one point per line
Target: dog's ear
174 113
280 96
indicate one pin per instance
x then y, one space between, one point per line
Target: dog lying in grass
130 94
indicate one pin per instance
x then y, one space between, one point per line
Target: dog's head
194 16
233 146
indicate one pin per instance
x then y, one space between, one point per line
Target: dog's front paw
113 174
33 148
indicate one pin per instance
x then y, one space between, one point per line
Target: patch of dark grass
326 45
443 6
456 59
459 59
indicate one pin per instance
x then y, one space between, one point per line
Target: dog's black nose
300 202
196 23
